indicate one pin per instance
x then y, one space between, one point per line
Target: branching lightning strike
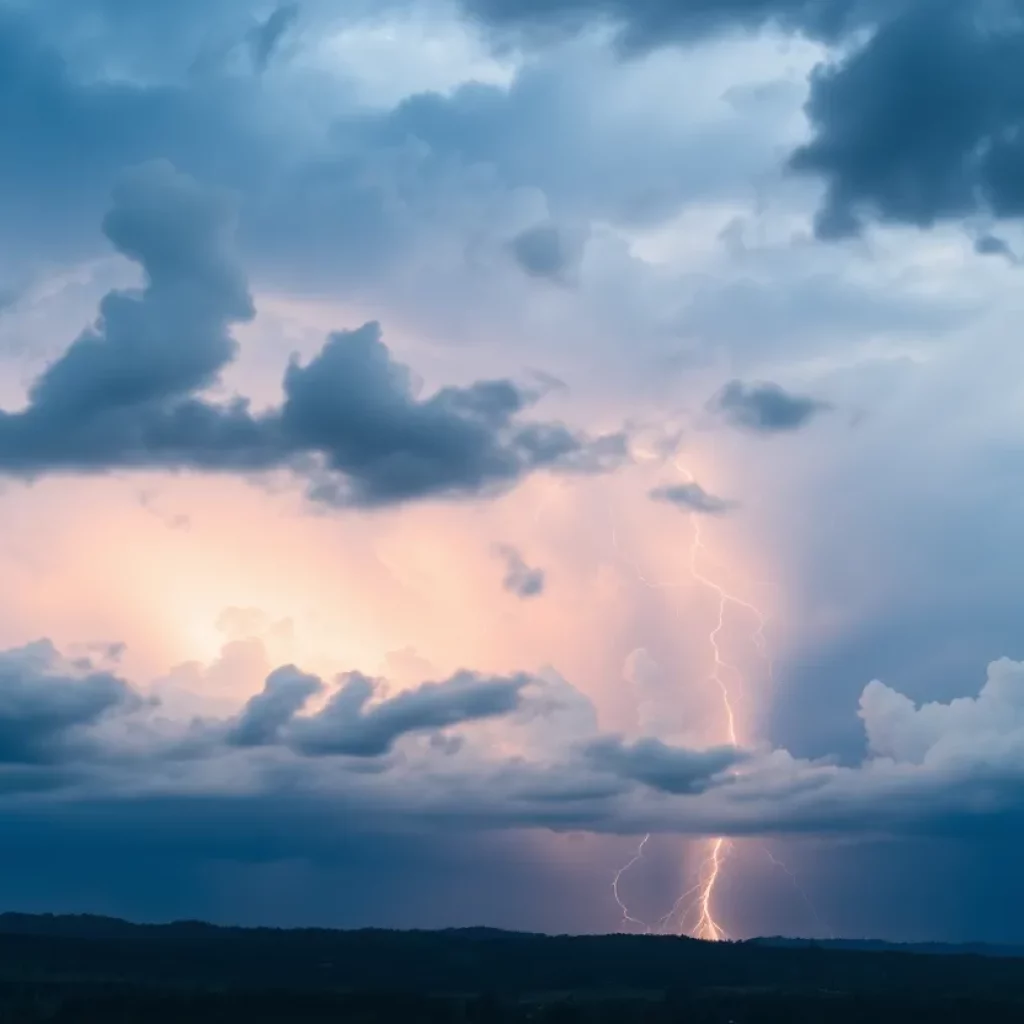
703 893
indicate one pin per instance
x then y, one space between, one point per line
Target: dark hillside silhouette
66 969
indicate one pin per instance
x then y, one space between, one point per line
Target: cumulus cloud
124 394
520 579
284 695
921 122
659 766
692 498
346 725
765 408
47 703
986 728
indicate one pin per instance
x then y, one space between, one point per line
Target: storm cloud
664 768
124 394
765 408
922 122
47 704
653 22
347 726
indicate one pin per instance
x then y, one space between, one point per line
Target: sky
445 442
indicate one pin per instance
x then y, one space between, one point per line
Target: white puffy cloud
986 729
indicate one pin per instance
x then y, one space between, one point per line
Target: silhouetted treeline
126 1005
82 969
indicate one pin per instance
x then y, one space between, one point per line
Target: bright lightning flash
707 927
703 894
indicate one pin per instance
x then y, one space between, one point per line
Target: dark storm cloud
173 339
520 579
765 408
691 497
923 121
920 122
124 394
542 251
649 23
357 407
284 694
45 702
993 245
356 723
349 727
661 767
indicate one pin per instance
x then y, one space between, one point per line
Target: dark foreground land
78 969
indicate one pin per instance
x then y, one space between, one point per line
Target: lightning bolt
628 918
707 925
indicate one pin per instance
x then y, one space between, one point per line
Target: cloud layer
71 731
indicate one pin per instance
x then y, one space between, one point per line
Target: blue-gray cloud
918 122
765 408
349 725
692 498
284 694
543 251
355 724
659 766
993 245
921 122
123 395
649 23
46 702
520 579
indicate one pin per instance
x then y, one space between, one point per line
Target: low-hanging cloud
47 703
460 751
348 726
125 394
765 408
659 766
691 497
285 693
